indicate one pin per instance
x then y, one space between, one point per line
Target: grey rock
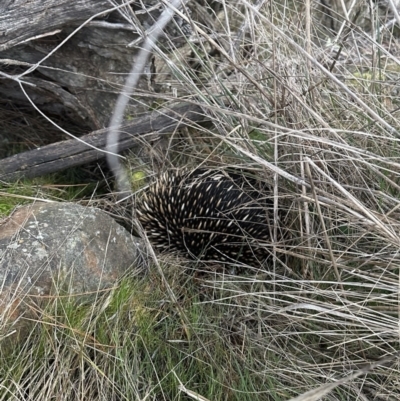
52 248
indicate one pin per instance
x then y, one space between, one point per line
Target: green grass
133 341
54 187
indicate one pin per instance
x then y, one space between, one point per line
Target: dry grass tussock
309 99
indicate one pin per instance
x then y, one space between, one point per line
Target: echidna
210 215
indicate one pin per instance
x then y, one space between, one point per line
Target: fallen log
71 153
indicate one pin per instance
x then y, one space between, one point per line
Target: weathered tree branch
66 154
74 65
21 21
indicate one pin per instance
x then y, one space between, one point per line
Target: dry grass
316 113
